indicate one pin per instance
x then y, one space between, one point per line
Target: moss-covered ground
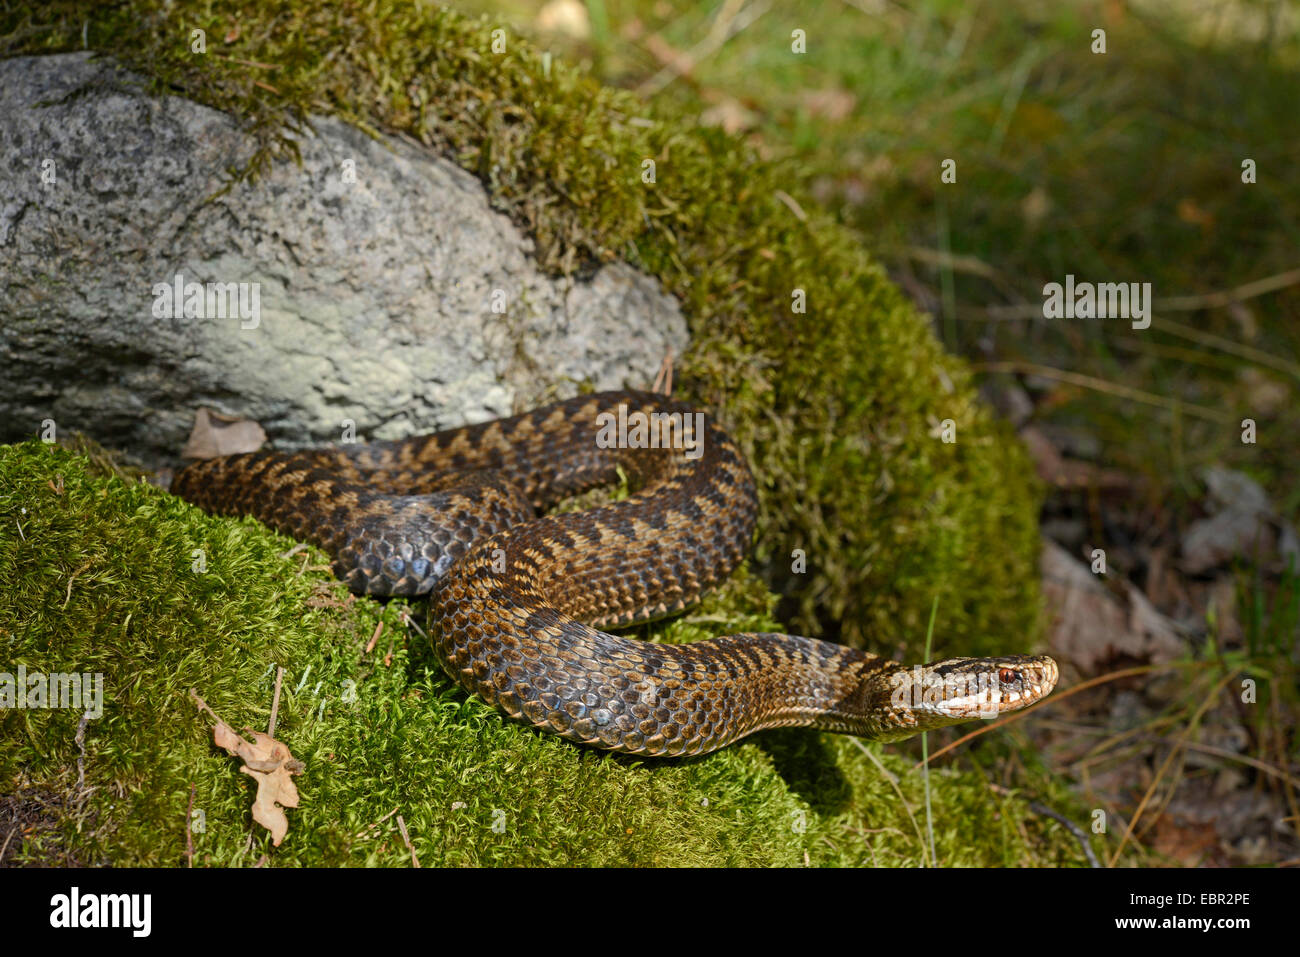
98 575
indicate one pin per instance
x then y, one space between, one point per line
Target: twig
1245 759
275 703
370 827
189 830
411 622
1184 303
957 262
379 630
401 825
664 377
1110 743
1250 290
1079 833
1226 345
1111 388
4 847
203 706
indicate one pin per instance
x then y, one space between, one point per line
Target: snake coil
518 602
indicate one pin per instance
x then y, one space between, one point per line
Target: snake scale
519 600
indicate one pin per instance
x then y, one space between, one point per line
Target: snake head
949 692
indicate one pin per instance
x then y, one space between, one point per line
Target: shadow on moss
809 768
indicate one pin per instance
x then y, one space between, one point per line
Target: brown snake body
517 602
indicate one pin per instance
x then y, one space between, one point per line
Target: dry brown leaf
832 103
1091 627
729 114
567 17
272 766
1242 524
1189 212
1191 844
267 761
1068 473
215 434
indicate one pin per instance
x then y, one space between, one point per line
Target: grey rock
375 298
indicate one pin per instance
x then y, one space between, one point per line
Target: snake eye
1008 676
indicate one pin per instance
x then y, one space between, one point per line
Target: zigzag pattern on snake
518 600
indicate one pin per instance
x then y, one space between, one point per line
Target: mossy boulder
101 575
836 387
833 383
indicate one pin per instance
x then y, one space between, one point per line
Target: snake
524 597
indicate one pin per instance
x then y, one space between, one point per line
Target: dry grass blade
1261 766
1176 750
1226 345
1111 388
893 783
1250 290
731 20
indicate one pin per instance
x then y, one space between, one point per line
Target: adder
521 603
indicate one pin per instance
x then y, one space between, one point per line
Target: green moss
837 407
98 575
